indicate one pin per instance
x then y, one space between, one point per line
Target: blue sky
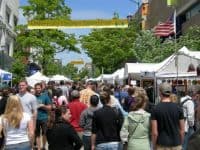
90 9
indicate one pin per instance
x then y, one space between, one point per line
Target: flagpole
175 49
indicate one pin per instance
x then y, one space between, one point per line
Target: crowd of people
95 116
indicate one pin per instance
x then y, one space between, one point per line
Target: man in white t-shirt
28 100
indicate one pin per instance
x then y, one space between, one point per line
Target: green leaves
45 43
46 9
108 48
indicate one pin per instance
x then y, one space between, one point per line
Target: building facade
8 21
188 14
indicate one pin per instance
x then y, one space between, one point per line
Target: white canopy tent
35 78
118 76
166 68
60 78
183 58
137 69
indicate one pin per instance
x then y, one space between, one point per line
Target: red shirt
76 107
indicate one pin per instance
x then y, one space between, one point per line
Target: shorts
20 146
41 126
159 147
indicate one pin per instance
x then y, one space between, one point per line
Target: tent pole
175 47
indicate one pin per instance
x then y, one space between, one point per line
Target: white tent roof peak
193 54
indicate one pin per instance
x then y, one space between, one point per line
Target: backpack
184 108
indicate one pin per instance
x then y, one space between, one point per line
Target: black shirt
168 115
62 136
106 124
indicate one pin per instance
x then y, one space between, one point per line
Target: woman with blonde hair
173 98
136 127
16 125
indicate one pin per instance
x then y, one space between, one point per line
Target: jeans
87 142
187 136
20 146
109 146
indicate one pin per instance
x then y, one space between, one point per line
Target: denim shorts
20 146
109 146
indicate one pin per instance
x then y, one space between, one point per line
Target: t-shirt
106 124
62 99
43 99
17 135
29 102
168 115
85 96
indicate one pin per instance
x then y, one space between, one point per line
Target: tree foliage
45 43
18 67
109 48
70 71
191 38
46 9
150 49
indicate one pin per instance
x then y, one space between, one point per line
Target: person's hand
40 105
93 147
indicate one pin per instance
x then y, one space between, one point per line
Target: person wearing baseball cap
167 122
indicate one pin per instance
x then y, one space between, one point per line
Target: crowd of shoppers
96 117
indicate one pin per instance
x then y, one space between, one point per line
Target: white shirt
188 110
17 135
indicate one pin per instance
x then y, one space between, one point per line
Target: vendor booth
5 78
180 70
60 78
36 78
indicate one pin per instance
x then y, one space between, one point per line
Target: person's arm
120 107
124 131
31 130
1 127
182 129
47 104
93 141
154 133
82 121
46 107
94 131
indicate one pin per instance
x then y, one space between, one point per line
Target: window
8 12
15 21
7 48
193 11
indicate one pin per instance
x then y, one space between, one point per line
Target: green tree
109 48
43 9
45 42
70 71
191 38
150 49
84 72
18 68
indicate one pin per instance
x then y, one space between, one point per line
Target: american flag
167 28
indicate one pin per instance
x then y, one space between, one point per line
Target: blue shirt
43 99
